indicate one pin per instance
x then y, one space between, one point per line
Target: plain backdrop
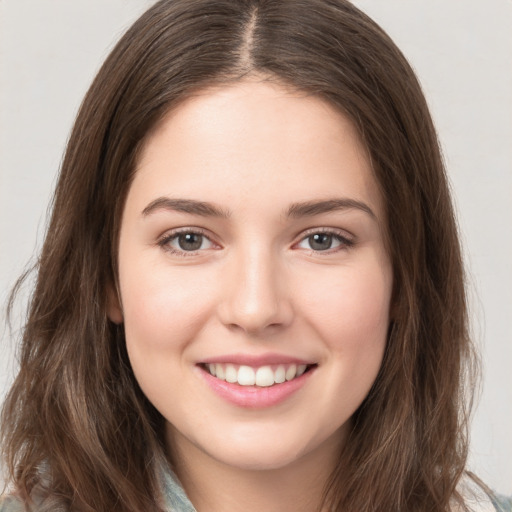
462 52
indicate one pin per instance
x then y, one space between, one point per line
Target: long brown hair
77 430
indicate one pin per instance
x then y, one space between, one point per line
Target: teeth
291 372
231 373
264 376
280 375
246 376
219 372
301 369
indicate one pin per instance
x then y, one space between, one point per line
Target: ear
114 309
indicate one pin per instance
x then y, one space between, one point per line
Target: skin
254 287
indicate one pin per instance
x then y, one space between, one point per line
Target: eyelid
347 239
164 239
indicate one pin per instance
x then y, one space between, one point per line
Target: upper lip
256 360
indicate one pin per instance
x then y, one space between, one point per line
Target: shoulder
479 498
11 504
502 503
174 495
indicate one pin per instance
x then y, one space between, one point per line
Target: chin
257 459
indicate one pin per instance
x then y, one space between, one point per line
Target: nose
257 298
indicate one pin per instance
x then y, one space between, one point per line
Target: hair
77 430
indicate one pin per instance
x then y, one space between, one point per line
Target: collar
175 497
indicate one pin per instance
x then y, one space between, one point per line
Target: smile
256 382
262 376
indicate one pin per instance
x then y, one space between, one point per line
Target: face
254 281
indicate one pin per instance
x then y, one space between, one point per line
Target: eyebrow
311 208
192 206
296 210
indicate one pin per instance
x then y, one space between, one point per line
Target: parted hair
77 431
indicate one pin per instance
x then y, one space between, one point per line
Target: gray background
462 52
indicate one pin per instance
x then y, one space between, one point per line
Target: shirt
176 499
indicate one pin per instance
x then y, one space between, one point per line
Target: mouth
261 376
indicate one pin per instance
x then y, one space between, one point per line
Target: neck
213 486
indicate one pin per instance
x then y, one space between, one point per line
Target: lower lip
255 397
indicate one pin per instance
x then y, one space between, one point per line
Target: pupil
320 241
190 241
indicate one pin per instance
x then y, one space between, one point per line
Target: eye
185 242
324 241
191 241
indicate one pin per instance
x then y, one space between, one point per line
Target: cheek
162 316
351 310
353 323
163 310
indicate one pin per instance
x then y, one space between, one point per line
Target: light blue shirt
176 499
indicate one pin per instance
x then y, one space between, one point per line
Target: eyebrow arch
311 208
191 206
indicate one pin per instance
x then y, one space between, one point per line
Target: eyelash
165 240
345 242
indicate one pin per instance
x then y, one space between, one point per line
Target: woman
251 291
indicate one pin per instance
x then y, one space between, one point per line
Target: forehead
238 137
